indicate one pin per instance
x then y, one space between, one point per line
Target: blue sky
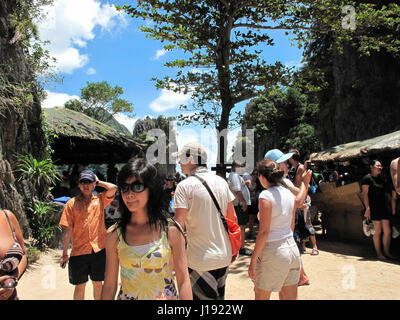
93 42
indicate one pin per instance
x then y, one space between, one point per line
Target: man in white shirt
242 200
209 251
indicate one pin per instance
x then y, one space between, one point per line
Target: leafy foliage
40 214
143 126
41 220
223 40
33 254
284 119
39 172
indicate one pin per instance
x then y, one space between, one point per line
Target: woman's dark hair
157 204
270 171
296 155
373 162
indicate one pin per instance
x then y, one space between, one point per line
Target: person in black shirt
373 188
169 189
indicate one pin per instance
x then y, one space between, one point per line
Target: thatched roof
357 149
81 139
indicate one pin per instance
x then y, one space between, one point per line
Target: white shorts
278 265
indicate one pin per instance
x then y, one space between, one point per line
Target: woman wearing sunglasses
146 243
13 259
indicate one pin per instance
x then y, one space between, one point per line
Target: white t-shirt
282 212
236 183
208 242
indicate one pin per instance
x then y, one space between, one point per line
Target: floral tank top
148 276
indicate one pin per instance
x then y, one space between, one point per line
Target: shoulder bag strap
215 201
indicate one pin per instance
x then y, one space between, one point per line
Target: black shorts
380 213
242 216
253 208
83 266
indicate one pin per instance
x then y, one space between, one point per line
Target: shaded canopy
81 139
356 149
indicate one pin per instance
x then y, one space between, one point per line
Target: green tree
284 118
222 39
224 66
100 101
143 126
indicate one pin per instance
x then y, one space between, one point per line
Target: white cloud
70 59
293 63
128 122
71 23
91 71
159 54
168 100
55 99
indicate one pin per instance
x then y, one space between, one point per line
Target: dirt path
340 271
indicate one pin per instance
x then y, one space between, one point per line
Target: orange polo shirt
87 223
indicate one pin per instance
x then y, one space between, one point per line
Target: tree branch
226 5
254 26
245 96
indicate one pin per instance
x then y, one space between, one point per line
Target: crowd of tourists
172 237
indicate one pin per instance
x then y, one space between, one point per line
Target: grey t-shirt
236 183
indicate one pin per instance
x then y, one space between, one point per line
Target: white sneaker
395 233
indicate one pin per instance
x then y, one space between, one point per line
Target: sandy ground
341 271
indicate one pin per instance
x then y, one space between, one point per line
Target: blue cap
87 174
277 155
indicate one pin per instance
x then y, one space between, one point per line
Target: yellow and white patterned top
148 276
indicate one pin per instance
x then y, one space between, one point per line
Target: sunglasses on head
9 283
85 181
136 187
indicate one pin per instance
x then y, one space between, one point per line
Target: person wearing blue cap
83 223
275 264
300 194
277 155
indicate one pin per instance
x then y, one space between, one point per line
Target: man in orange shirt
83 222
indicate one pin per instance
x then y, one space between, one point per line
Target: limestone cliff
363 100
20 113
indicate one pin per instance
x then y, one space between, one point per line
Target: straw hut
81 139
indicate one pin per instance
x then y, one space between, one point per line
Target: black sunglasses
9 283
85 181
136 187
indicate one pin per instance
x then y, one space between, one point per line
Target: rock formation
20 114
